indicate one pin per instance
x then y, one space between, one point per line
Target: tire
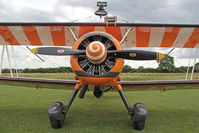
139 116
56 124
139 125
56 115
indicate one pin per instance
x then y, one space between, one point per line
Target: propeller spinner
96 52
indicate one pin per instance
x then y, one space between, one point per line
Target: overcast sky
164 11
153 11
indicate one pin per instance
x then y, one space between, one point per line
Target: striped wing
178 37
140 35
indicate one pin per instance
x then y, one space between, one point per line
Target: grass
125 76
24 109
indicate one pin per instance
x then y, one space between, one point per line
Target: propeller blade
136 54
166 55
36 54
58 51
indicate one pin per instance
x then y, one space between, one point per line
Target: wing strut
194 64
125 35
14 62
3 52
74 36
188 66
3 49
9 60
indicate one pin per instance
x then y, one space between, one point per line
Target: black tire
56 124
139 125
56 115
97 92
139 116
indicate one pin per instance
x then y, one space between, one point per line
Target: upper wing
39 83
140 35
161 85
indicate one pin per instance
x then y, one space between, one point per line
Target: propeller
58 51
166 55
136 54
125 54
36 54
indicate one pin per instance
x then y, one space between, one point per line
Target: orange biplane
97 56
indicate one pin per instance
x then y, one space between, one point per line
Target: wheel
56 123
97 92
56 114
139 125
139 116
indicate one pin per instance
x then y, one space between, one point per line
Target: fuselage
96 53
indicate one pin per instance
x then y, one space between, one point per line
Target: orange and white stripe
142 36
7 36
179 37
156 36
18 33
45 35
183 36
32 35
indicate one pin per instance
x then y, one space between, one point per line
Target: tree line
165 66
41 70
141 69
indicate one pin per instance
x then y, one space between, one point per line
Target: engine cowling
96 67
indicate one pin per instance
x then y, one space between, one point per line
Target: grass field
125 76
24 109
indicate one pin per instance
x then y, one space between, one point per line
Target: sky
144 11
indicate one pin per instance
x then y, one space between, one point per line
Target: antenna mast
101 11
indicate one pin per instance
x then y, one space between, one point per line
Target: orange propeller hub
96 52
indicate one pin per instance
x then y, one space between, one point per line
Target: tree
126 69
166 65
197 67
140 69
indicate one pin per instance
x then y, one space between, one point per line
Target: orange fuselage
98 80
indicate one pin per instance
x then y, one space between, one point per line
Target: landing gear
97 92
138 112
83 91
57 111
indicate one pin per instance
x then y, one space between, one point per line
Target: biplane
97 56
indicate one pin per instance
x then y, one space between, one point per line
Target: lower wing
127 85
38 83
160 85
